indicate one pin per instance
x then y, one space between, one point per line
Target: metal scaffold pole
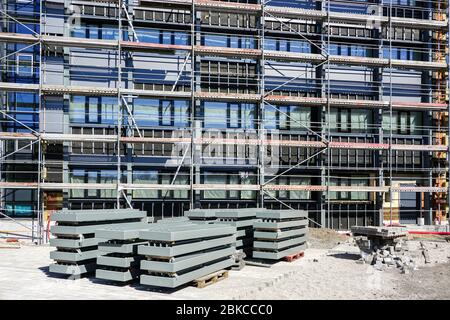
390 115
261 131
39 204
328 117
119 104
448 113
192 111
306 74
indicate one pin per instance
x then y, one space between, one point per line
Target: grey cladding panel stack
204 216
76 245
118 259
243 220
178 254
279 233
179 220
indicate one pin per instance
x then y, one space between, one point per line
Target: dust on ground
338 274
430 237
327 271
323 238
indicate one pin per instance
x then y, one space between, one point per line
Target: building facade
336 107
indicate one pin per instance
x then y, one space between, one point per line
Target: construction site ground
329 270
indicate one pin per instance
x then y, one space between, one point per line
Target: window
108 110
92 31
92 110
283 113
350 120
77 176
110 32
181 38
181 110
92 178
151 36
300 117
77 109
248 116
166 37
145 177
146 112
221 115
215 41
247 178
360 120
403 122
215 115
343 120
181 194
108 177
346 195
214 178
234 116
298 194
287 117
166 113
24 65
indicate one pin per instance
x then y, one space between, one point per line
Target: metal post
329 215
119 103
39 205
448 114
261 118
390 113
192 109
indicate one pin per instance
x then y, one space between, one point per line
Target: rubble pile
385 247
386 253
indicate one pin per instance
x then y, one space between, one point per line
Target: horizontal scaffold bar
53 137
60 41
297 13
241 187
208 96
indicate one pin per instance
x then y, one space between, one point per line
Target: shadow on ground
346 256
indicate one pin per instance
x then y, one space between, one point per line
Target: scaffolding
322 143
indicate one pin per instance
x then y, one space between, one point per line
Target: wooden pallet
211 279
294 257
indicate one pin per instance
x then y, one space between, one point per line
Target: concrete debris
397 252
239 262
426 255
380 232
384 248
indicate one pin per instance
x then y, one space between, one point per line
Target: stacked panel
76 245
202 216
118 259
179 220
243 220
178 254
279 233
